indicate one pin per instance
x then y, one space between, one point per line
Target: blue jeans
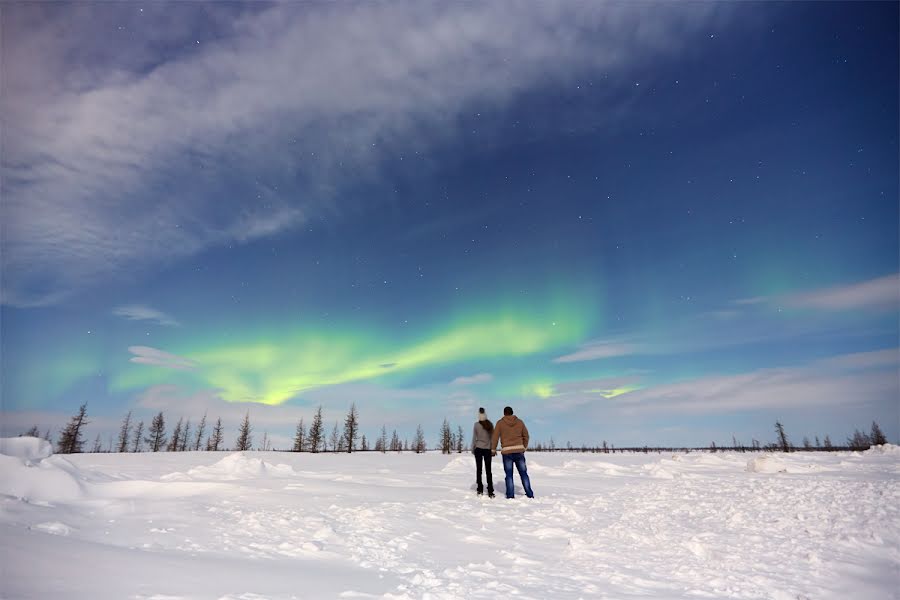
517 458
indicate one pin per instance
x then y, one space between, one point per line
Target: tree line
135 437
346 437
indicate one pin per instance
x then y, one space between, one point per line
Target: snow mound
48 479
772 463
234 466
584 466
766 463
658 471
28 448
460 464
889 449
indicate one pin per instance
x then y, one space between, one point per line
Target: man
513 435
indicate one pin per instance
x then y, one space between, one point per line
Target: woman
481 447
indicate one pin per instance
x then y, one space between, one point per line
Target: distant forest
345 437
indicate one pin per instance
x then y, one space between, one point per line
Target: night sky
643 223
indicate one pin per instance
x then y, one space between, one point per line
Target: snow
274 525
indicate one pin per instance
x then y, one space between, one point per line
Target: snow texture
254 525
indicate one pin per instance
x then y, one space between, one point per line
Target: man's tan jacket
512 433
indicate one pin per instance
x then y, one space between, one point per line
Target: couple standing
513 435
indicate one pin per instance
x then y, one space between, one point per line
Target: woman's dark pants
482 454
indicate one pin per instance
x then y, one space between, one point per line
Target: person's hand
493 453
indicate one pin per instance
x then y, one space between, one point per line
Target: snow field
278 525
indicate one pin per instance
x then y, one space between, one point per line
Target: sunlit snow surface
277 525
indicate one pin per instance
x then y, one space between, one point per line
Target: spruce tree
826 443
215 439
70 441
364 444
460 440
316 434
124 432
175 442
351 428
859 440
419 444
783 443
395 442
33 432
97 445
244 440
446 438
299 437
877 437
157 433
382 441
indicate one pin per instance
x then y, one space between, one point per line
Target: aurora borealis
634 222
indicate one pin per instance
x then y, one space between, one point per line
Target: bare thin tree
335 438
124 432
137 440
201 428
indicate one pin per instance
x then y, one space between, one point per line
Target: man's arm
524 435
495 437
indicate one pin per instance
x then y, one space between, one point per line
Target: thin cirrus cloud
878 293
117 160
745 323
473 379
598 350
146 355
860 378
139 312
872 294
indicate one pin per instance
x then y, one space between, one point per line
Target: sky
663 224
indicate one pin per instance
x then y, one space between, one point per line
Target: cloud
879 293
138 312
571 394
860 378
598 350
749 321
146 355
473 379
134 138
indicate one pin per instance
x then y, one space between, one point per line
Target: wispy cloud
120 125
597 350
473 379
145 355
879 293
751 321
846 379
139 312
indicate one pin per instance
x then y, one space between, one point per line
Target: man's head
507 411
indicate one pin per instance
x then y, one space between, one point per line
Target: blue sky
641 223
